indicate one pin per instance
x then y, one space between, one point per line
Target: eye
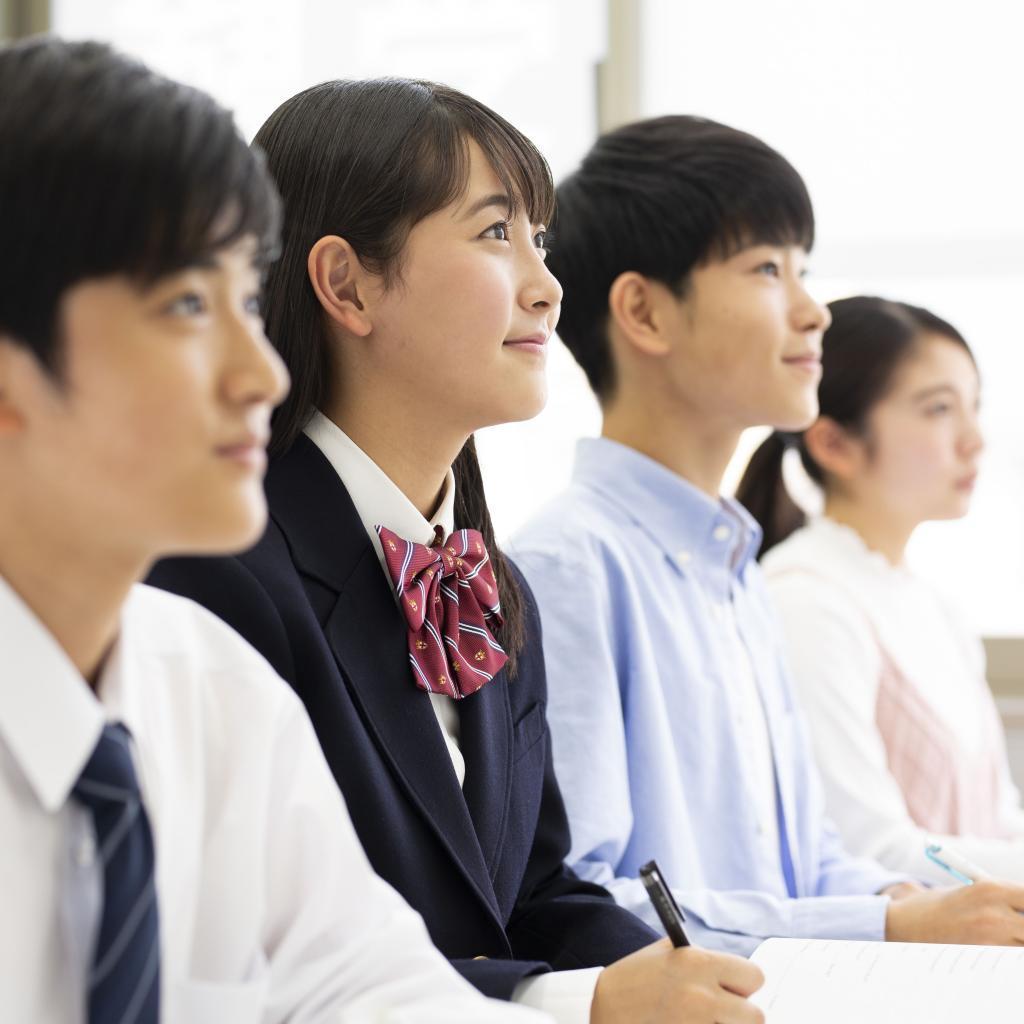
253 304
769 268
938 409
541 241
498 230
187 304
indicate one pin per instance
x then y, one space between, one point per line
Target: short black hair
661 197
108 168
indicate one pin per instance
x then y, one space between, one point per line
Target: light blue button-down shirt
628 566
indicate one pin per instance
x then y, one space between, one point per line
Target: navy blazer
483 864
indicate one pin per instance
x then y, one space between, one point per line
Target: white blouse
851 620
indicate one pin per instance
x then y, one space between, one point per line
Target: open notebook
814 981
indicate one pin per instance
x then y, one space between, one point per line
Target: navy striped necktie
124 978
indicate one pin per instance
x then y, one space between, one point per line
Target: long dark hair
368 160
868 341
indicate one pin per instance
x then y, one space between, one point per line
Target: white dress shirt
269 910
566 995
846 612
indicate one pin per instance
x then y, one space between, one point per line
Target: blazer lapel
366 632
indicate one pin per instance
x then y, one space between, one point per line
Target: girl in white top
903 723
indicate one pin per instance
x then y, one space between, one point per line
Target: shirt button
721 532
85 853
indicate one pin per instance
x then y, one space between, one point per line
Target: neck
693 447
415 457
880 530
73 588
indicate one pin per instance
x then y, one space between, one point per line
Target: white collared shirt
566 995
380 502
269 910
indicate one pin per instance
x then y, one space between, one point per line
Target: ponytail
762 491
471 513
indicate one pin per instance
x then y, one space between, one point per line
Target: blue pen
953 864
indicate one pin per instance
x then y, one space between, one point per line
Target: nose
541 290
256 373
809 314
972 440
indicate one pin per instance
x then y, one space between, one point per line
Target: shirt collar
377 499
50 719
694 530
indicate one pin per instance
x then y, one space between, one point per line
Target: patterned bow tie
450 599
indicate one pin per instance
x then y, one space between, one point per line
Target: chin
228 531
519 407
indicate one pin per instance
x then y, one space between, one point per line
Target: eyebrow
931 392
499 199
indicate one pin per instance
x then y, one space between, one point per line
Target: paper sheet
815 981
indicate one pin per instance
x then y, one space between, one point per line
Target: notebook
809 981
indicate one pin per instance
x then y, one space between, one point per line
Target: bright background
904 119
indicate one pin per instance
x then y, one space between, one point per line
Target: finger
739 976
733 1009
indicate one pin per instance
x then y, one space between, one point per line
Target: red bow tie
450 599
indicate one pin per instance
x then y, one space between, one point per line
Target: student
173 844
902 722
412 306
681 245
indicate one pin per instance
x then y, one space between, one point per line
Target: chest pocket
528 732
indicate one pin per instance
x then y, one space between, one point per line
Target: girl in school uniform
904 726
412 306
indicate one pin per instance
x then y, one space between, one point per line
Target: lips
531 343
248 451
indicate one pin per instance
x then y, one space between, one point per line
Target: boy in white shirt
174 846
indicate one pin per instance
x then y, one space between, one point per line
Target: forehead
936 360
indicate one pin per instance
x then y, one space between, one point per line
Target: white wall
902 117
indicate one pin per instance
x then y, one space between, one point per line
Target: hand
986 913
901 890
663 985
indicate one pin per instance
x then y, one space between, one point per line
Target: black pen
668 910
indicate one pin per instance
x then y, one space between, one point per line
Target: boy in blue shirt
682 245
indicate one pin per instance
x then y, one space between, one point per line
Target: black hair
661 197
368 160
868 341
107 168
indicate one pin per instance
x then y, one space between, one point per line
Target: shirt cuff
564 995
841 917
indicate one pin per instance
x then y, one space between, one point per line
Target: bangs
190 187
440 168
206 203
763 209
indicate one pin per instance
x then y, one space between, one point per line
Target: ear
839 452
639 313
12 420
340 284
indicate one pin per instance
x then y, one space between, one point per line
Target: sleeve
341 944
584 710
565 995
567 921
